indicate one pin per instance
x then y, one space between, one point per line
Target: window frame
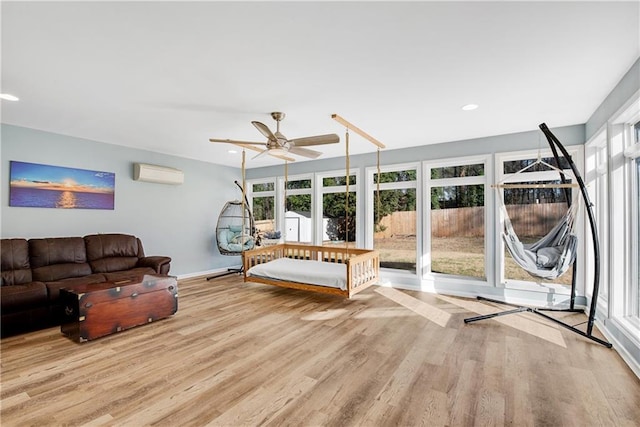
268 193
428 183
371 187
577 154
624 307
281 200
318 201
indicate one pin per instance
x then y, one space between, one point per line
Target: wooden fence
527 220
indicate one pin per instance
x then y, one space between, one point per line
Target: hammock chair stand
555 145
240 270
229 272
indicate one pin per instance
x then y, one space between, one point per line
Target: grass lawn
462 256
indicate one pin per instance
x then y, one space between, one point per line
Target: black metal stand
538 311
555 145
229 272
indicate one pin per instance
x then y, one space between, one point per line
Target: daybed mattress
303 271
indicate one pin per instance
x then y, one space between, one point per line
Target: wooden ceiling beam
357 130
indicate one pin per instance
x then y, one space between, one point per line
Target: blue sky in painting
33 174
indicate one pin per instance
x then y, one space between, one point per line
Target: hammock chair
234 231
552 255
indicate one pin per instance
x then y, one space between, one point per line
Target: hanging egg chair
234 231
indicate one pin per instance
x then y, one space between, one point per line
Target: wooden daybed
337 270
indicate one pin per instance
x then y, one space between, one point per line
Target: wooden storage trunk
93 311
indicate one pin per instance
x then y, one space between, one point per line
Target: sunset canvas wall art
45 186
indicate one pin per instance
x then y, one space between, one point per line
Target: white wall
174 220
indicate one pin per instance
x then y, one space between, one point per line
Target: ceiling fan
278 145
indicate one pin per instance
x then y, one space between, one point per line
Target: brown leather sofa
34 271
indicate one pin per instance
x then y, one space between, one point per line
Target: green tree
388 201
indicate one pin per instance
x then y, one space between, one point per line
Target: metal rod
576 330
551 138
568 197
492 315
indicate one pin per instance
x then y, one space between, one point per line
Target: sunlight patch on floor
425 310
516 321
376 313
325 315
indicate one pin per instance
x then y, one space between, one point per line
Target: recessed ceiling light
8 97
470 107
233 151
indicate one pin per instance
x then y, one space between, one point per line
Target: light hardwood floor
240 354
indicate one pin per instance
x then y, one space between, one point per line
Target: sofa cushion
27 296
15 267
113 252
61 272
57 250
58 258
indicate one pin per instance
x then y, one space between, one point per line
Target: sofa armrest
160 264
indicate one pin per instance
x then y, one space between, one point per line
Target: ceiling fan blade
232 141
261 154
330 138
280 156
243 144
250 147
312 154
265 130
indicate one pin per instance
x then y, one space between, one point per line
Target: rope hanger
501 183
374 141
539 161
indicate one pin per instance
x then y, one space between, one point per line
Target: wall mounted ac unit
154 173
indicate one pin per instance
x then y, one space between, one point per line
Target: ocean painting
45 186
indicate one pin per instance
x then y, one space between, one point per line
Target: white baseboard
632 361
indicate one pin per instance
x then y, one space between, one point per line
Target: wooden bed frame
363 265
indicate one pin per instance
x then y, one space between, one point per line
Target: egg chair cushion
231 241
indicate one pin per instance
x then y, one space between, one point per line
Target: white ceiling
167 76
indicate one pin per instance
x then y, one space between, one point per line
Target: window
534 211
298 216
623 138
634 153
597 181
394 217
338 214
637 219
456 218
263 206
